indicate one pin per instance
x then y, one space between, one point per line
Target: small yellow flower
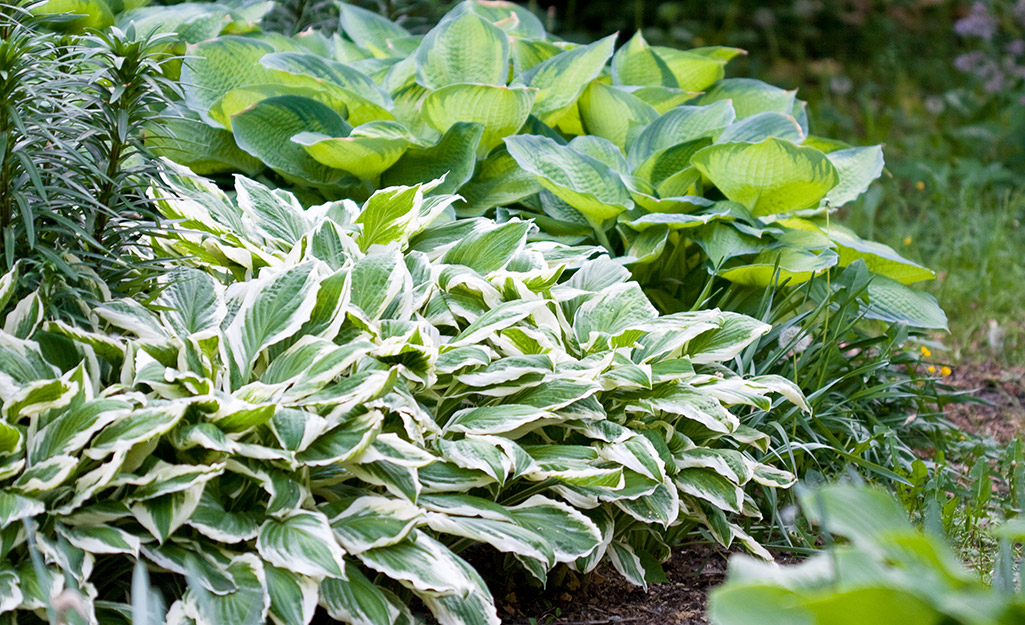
932 369
945 371
920 185
926 352
907 240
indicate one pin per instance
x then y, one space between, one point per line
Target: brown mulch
1000 389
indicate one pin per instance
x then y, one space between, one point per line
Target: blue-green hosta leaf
454 157
891 301
293 598
248 605
277 214
491 249
499 180
682 124
463 48
369 30
186 139
637 64
501 110
562 78
161 516
365 153
15 508
774 176
217 66
92 14
302 542
372 522
760 126
787 264
613 113
712 487
857 167
266 130
422 563
359 601
750 96
274 308
583 182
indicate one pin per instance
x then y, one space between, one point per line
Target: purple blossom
978 23
995 83
1019 12
1016 47
970 62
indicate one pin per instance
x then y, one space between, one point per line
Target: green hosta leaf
683 124
750 96
773 176
184 138
293 598
365 153
240 100
463 48
501 110
894 302
581 181
274 308
266 130
857 167
369 30
454 157
613 113
15 508
562 78
490 249
761 126
248 605
302 542
215 67
423 563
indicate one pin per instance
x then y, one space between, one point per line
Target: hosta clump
652 152
325 405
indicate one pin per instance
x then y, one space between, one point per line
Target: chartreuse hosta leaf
562 78
463 48
369 30
770 177
501 110
220 65
365 153
613 113
639 64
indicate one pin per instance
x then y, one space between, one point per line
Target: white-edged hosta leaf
771 476
616 310
8 285
473 609
46 475
97 539
785 387
161 516
302 542
489 249
249 604
712 487
274 307
214 521
661 506
15 508
26 317
276 213
10 591
140 425
505 535
359 601
736 332
293 598
371 522
501 110
626 561
571 534
105 346
692 404
770 177
422 563
582 181
501 419
498 318
377 280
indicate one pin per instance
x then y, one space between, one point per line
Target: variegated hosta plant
325 406
650 151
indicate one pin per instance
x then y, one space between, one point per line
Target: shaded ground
1001 390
